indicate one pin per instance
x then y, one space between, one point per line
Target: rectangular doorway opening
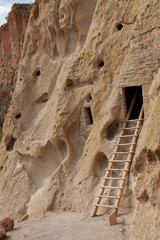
130 92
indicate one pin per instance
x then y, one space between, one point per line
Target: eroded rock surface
68 107
11 43
7 224
2 232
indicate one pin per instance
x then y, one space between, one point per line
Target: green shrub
1 133
4 105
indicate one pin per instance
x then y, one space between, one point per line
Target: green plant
1 133
4 105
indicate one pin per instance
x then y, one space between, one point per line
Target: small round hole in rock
18 116
101 64
119 26
10 144
38 73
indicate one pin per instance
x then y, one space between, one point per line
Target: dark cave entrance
130 92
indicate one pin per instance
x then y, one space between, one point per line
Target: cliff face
68 107
11 42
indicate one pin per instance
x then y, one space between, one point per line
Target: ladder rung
122 152
118 160
110 187
124 144
113 178
124 136
104 196
133 120
107 206
116 169
129 128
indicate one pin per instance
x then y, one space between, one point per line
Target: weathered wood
113 178
105 196
110 187
127 136
121 152
123 144
106 206
112 218
116 169
119 161
128 128
113 160
130 156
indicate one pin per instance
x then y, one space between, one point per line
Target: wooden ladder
119 164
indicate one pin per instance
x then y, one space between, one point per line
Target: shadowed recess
88 116
18 116
100 163
10 144
62 147
129 94
101 64
42 99
88 98
69 83
112 130
37 73
35 10
119 26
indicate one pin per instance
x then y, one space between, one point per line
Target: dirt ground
67 226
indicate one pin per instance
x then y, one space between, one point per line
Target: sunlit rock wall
68 106
11 43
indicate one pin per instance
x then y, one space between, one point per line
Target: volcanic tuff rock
68 106
11 43
2 232
6 224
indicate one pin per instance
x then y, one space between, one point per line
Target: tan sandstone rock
11 43
2 232
7 224
69 105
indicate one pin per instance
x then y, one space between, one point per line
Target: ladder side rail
130 156
112 216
